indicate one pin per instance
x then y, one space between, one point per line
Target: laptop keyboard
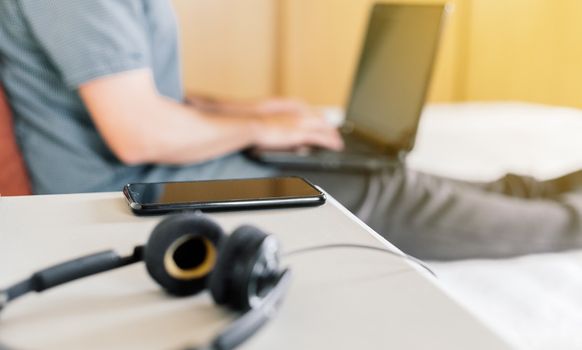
352 145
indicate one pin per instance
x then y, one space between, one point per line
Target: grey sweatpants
442 219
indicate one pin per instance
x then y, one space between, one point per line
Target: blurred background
492 50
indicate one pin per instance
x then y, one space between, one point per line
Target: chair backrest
14 179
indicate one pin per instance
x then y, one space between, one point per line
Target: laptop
388 92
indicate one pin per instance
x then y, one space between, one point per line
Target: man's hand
287 124
279 123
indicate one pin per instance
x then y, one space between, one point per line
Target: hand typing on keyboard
288 124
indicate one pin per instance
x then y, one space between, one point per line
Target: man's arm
233 107
142 126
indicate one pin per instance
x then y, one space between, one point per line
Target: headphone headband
252 320
69 271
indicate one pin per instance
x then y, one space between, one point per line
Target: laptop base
326 160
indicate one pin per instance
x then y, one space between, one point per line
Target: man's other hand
288 124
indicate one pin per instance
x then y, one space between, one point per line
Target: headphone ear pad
181 252
230 279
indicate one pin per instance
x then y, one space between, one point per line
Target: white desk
339 299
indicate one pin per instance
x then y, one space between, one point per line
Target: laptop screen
394 72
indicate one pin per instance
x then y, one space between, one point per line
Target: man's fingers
330 140
289 131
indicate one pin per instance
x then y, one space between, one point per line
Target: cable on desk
415 260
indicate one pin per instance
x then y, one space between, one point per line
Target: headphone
185 254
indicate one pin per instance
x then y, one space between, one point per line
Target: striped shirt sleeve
89 39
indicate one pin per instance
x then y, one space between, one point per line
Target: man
96 93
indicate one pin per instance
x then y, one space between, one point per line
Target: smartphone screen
163 197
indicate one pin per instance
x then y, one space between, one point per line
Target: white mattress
535 301
483 141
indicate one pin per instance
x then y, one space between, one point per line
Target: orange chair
14 179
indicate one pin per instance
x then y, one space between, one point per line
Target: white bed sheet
535 301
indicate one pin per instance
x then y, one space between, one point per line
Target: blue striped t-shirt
49 48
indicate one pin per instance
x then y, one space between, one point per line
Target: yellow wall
228 46
528 50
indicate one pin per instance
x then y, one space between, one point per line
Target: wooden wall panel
228 46
322 41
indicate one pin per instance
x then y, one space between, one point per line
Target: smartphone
217 195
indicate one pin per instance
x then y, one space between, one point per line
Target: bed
534 301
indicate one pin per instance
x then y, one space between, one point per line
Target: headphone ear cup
182 251
232 280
